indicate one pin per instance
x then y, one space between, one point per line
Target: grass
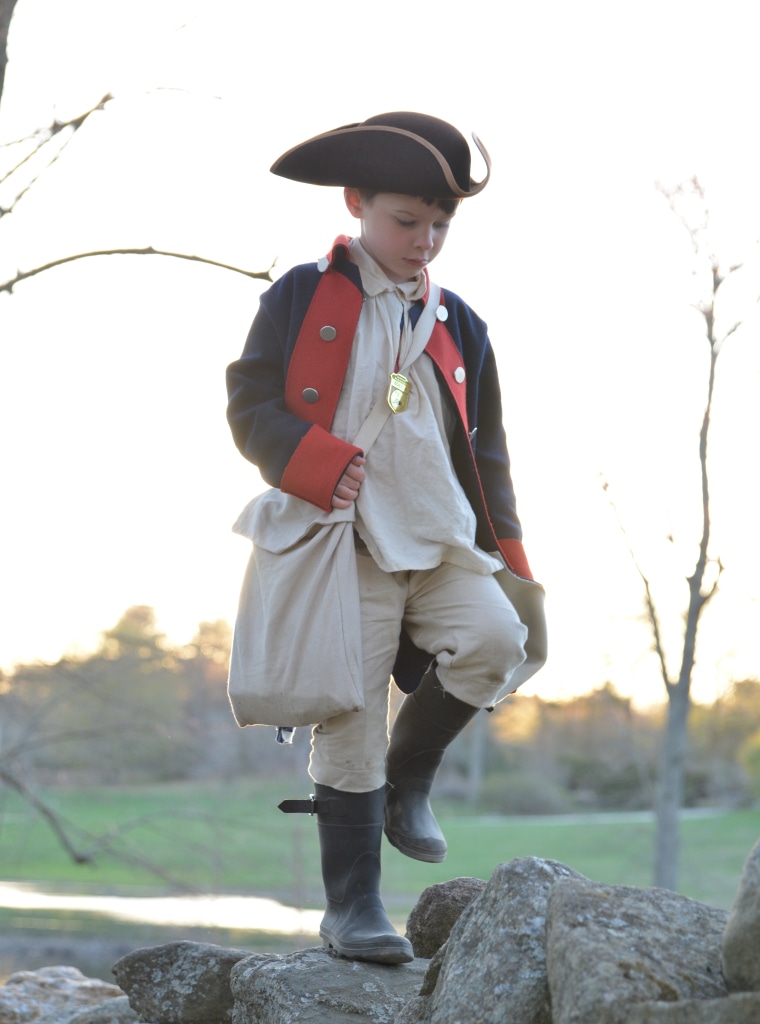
231 838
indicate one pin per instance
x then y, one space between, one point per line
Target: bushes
518 792
140 711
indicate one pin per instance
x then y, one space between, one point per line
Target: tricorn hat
414 154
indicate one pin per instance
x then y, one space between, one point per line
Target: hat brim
379 158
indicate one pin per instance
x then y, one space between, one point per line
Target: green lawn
232 838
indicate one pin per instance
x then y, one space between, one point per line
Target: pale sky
119 478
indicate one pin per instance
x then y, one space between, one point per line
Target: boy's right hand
347 490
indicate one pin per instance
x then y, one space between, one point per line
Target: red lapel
320 360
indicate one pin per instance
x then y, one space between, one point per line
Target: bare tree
30 157
35 154
688 202
24 161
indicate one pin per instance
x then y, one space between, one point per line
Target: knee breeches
464 620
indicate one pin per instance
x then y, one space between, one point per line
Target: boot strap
313 806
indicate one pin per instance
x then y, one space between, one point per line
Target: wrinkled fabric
409 513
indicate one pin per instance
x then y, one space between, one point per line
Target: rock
313 986
434 969
609 947
741 939
494 966
54 995
180 982
418 1009
537 944
113 1011
736 1009
437 911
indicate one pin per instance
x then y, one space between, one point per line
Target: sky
120 481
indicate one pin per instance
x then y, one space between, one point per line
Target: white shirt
411 512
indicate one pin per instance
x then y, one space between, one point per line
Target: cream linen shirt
411 512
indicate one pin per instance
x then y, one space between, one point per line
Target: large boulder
741 939
610 947
56 995
313 986
494 965
180 982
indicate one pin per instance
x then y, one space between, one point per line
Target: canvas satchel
296 649
527 598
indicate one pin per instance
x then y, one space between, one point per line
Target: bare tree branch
23 275
731 331
41 138
12 780
107 844
27 745
32 180
43 135
104 844
654 619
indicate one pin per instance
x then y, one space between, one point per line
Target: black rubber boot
355 924
427 722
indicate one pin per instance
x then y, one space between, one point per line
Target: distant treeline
139 710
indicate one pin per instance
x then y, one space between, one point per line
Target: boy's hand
347 490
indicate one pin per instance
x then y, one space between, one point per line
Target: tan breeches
462 619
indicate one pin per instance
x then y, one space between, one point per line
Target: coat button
328 333
442 313
310 395
322 264
459 374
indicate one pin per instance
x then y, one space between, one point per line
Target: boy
434 506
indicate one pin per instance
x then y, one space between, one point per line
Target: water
41 928
245 913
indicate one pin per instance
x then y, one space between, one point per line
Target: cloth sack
527 598
296 650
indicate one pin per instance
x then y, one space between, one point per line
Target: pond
40 926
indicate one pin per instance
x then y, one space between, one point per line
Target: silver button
442 313
459 374
328 333
310 395
322 264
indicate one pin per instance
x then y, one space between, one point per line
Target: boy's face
401 233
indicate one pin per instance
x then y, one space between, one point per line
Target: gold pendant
399 390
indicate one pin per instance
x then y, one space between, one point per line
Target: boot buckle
312 806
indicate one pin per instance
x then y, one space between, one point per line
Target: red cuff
316 466
515 557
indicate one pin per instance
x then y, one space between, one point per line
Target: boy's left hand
349 484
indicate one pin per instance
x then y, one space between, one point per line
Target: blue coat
284 389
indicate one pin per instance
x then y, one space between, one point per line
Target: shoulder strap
425 324
370 429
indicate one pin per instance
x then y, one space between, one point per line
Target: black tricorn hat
413 154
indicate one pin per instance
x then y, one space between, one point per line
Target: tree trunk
670 788
6 13
477 758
